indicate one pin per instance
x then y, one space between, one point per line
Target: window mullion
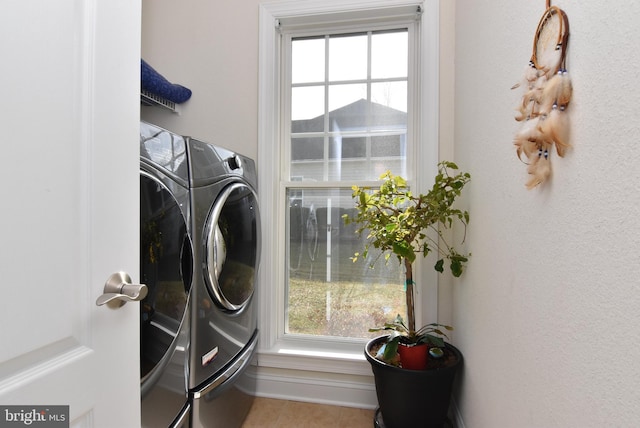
326 111
368 154
286 107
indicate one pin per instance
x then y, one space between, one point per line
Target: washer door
166 267
232 247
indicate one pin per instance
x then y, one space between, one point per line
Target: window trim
318 353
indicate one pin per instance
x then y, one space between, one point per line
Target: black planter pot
413 398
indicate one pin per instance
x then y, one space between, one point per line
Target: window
348 109
345 114
339 106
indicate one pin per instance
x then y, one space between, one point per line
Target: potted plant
404 225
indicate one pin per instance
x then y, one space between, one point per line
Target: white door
69 118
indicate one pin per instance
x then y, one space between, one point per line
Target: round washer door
166 268
232 247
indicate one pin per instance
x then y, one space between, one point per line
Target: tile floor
272 413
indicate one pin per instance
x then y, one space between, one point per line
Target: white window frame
337 355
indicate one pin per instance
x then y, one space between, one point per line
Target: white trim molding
315 387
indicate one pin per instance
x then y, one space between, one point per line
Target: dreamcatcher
547 92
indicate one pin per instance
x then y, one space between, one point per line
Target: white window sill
303 354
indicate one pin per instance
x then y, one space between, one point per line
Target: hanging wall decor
547 92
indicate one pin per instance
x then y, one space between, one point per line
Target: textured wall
547 314
211 47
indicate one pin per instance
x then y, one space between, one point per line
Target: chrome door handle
118 290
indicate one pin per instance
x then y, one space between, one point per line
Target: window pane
388 146
328 294
307 60
308 170
347 148
348 57
350 170
392 95
348 107
307 104
351 159
389 153
311 148
389 55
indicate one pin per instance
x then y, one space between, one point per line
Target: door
166 259
70 120
231 247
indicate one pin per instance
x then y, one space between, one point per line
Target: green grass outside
354 307
360 297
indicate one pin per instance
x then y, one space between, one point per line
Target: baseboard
315 387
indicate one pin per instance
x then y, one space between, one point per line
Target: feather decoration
528 138
531 74
531 99
557 91
547 92
528 148
530 131
540 168
550 93
540 83
527 108
536 91
555 128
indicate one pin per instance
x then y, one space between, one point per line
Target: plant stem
411 316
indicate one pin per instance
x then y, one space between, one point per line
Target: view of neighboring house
361 136
357 135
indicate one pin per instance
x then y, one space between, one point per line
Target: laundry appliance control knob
234 162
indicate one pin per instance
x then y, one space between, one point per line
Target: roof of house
353 117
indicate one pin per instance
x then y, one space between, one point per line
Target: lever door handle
118 290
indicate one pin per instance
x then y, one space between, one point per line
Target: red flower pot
413 357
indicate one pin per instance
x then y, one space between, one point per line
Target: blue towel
153 82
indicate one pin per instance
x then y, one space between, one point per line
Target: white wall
547 314
211 47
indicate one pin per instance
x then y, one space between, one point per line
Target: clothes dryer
166 267
226 231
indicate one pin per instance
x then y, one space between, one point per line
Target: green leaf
439 266
391 350
404 250
399 181
363 198
456 267
434 340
